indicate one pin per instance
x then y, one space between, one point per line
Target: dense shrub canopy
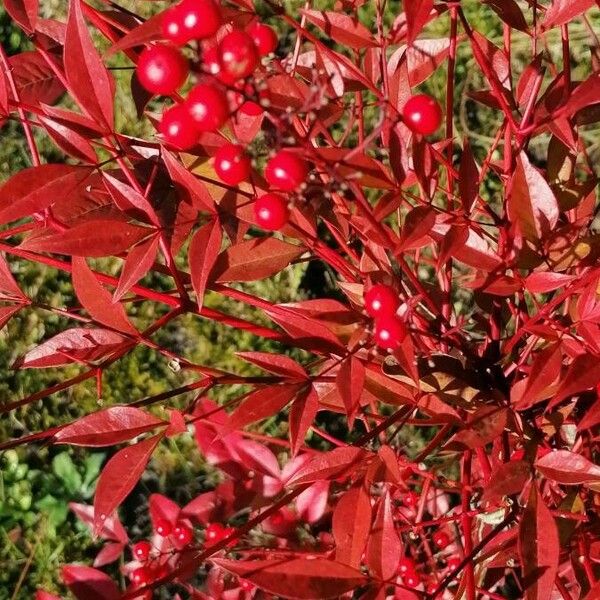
345 260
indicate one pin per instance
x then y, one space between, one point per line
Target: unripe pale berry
232 165
390 332
264 38
207 106
286 171
422 114
271 211
238 55
381 300
177 127
162 69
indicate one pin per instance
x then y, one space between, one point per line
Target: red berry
406 565
231 164
441 539
238 56
453 562
162 69
246 585
163 527
271 211
183 534
178 128
264 38
381 300
411 579
172 26
286 171
227 532
422 114
212 65
390 331
141 576
214 533
207 106
410 499
191 20
142 550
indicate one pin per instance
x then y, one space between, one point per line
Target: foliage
463 268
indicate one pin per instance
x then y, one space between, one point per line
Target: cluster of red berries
215 532
181 532
382 303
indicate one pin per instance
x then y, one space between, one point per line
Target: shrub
428 425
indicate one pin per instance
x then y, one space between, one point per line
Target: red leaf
119 476
138 262
568 468
585 94
202 255
329 465
255 259
417 15
69 346
126 198
543 374
9 290
509 12
107 427
4 109
262 403
109 554
341 28
531 203
275 363
197 192
112 528
302 414
96 299
162 508
86 583
591 418
418 223
582 374
351 524
307 332
297 578
148 31
384 543
350 381
69 141
509 478
102 237
468 181
563 11
542 283
89 81
33 189
482 427
7 313
35 80
42 595
538 548
24 12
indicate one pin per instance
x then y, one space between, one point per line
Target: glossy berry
232 165
410 499
183 534
214 533
177 127
246 585
211 64
381 300
141 576
264 37
453 562
286 171
191 20
238 55
390 332
207 106
162 69
406 565
441 539
271 212
227 532
163 527
422 114
141 550
411 579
